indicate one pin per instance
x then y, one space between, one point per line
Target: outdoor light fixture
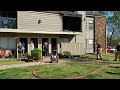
83 20
39 21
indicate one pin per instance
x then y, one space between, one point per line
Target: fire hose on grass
76 77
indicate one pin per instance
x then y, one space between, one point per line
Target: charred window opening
12 14
8 19
72 23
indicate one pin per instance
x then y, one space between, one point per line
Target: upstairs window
91 25
89 43
72 23
12 14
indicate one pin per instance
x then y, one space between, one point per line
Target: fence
74 48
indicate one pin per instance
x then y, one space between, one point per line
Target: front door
53 44
45 46
35 41
25 41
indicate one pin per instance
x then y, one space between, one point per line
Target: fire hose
75 77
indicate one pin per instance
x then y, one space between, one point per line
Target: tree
113 24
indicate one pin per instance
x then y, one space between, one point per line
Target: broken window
72 23
8 19
12 14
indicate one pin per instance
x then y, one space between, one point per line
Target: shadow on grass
115 66
110 62
82 59
113 73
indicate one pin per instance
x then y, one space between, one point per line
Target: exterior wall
29 20
100 32
74 40
89 35
50 22
74 48
81 38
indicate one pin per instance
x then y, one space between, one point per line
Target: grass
82 66
54 71
10 62
108 73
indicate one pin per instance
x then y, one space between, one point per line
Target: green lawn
56 71
81 66
9 62
108 73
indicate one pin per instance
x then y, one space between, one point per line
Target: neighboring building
63 30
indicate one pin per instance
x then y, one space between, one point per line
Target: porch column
17 41
29 41
40 43
49 41
58 45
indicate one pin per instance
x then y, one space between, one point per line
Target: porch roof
38 32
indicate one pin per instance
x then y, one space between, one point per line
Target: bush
27 55
36 53
61 55
67 54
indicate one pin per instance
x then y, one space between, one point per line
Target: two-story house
63 30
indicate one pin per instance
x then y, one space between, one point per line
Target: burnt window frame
70 28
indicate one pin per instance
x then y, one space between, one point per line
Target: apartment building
74 31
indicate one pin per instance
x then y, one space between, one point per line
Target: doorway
35 41
45 45
26 44
53 44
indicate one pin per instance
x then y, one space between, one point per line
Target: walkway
2 67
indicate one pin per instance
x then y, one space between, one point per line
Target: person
23 47
99 52
117 53
43 52
32 45
45 48
20 47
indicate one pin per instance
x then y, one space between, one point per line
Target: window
72 23
89 43
12 14
7 43
91 24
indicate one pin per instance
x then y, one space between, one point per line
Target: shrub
67 54
61 55
36 53
27 55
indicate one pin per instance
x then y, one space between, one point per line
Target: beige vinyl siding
89 35
74 48
29 20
